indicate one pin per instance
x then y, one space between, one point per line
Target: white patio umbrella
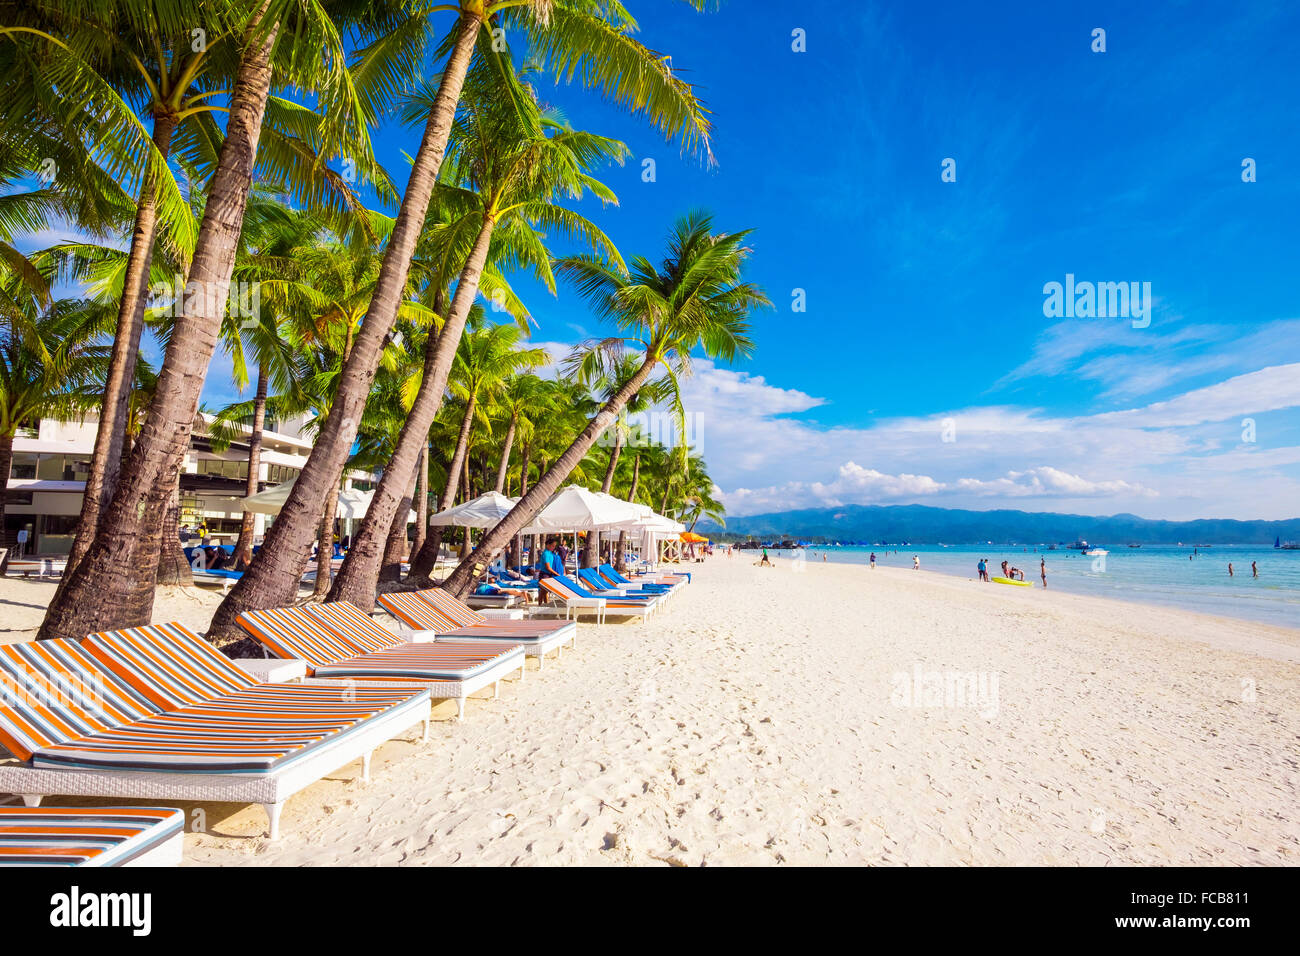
576 509
353 503
485 511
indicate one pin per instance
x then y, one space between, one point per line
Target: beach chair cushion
415 612
610 574
449 661
167 664
84 836
291 632
51 691
457 613
354 626
602 588
255 732
577 590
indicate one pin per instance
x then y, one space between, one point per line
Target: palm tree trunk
469 494
244 546
173 569
421 499
273 575
422 564
620 563
517 546
591 556
106 460
395 544
113 585
360 571
460 580
505 454
324 547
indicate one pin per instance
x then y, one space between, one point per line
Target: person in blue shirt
984 571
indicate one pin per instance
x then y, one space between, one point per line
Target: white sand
759 720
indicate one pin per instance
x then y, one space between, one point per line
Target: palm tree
571 38
515 161
51 364
609 382
695 298
114 582
520 395
486 355
138 63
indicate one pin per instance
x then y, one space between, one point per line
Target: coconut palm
485 357
515 162
114 581
608 383
51 364
155 89
695 298
569 38
520 397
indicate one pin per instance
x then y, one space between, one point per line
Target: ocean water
1152 574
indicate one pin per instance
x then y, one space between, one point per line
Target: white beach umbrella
268 502
576 509
352 502
485 511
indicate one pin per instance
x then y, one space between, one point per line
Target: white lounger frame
271 789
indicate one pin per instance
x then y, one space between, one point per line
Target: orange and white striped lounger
91 836
434 613
156 712
340 643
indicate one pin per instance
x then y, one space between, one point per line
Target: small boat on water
1135 545
1079 545
1096 553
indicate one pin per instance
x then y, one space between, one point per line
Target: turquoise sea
1154 574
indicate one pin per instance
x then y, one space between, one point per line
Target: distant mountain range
921 524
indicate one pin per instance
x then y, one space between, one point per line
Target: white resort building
50 464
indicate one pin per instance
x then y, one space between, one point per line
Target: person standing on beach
982 569
916 563
766 560
873 560
1042 570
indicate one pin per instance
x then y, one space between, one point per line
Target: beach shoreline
775 716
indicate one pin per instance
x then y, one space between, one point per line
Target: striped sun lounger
576 598
340 643
418 612
157 712
86 836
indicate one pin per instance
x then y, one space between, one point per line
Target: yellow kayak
1023 584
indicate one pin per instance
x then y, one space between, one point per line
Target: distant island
921 524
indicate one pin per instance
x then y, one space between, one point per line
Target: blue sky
925 298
